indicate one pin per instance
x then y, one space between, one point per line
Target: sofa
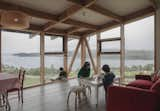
132 99
143 81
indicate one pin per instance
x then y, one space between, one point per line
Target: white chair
77 90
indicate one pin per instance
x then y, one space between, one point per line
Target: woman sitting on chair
84 71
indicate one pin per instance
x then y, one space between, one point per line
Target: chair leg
22 95
68 97
8 107
76 95
90 91
18 95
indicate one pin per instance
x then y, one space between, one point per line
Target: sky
139 35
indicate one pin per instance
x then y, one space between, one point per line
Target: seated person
62 74
84 71
108 76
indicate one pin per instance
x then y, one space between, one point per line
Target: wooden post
122 55
65 50
74 56
42 64
83 52
90 55
98 56
157 39
0 50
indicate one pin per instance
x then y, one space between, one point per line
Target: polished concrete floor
53 97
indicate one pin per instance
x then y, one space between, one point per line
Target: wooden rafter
36 29
138 14
127 19
154 4
80 24
106 12
68 13
100 10
72 30
29 11
43 15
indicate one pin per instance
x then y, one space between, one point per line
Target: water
57 61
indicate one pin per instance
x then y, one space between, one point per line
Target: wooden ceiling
78 17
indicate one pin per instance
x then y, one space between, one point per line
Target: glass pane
52 65
113 33
139 47
53 44
19 50
113 46
53 62
113 61
92 41
72 44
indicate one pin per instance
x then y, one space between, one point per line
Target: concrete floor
53 97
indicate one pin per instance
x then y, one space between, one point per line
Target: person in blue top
108 77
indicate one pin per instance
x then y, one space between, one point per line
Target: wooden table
97 84
8 81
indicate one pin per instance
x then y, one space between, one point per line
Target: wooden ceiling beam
42 15
31 12
80 24
155 3
69 12
127 19
72 30
100 10
105 12
138 14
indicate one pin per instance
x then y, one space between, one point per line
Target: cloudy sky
138 36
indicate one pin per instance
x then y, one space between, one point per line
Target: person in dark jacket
84 71
62 74
108 77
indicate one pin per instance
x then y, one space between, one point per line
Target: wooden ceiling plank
127 19
72 30
80 24
105 12
100 10
31 12
42 15
69 12
154 4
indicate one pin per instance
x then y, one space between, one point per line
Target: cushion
145 84
156 86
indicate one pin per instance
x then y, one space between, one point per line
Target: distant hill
130 54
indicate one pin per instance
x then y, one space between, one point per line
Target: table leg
97 96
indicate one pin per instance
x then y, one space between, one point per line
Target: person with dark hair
84 71
108 76
62 74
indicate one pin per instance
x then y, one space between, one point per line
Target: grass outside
31 80
34 80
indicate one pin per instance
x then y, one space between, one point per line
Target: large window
92 41
110 49
53 61
72 44
139 46
21 50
